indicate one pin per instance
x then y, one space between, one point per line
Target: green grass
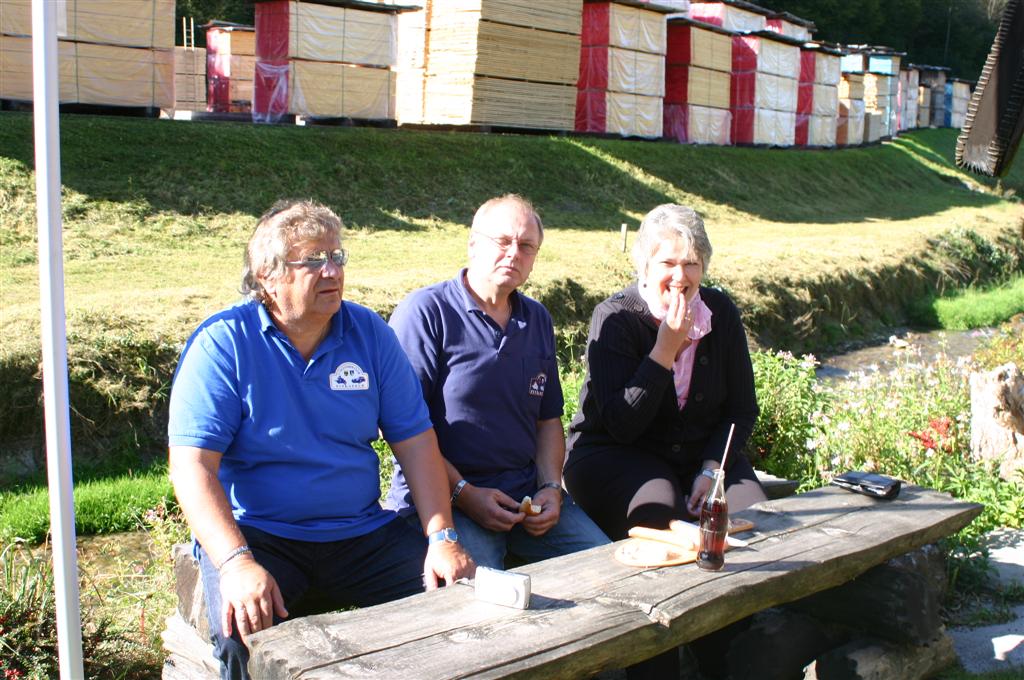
106 505
816 247
980 308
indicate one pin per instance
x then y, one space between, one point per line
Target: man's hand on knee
492 509
250 597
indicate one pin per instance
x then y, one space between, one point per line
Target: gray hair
286 223
479 219
670 221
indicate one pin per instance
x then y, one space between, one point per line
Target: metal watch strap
710 474
550 485
458 490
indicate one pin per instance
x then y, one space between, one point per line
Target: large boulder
997 418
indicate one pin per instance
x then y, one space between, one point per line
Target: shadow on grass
401 179
377 178
816 186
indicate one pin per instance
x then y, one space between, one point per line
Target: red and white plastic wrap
697 84
693 124
764 91
229 74
622 70
728 16
631 28
788 29
805 97
306 53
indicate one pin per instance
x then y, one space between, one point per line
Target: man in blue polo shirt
485 357
274 406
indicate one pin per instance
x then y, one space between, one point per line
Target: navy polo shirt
295 435
485 388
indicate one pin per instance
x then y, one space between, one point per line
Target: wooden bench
590 613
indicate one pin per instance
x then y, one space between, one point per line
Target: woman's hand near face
673 331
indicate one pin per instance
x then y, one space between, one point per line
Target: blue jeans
574 532
383 565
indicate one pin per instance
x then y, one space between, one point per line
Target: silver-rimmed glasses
319 259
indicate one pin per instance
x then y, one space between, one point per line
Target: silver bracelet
240 550
458 490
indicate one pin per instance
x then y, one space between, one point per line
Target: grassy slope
156 212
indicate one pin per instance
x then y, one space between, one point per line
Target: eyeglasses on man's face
505 243
318 259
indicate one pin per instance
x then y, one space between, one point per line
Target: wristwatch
446 535
710 474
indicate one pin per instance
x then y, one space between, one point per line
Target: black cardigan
629 401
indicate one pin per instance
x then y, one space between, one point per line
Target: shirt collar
469 303
334 335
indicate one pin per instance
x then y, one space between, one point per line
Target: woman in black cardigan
668 372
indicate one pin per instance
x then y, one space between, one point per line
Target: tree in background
203 11
953 33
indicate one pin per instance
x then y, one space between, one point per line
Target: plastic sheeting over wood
624 26
728 16
692 45
128 23
231 68
622 71
692 124
629 115
287 29
104 75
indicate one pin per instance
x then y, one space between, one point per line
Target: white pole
54 339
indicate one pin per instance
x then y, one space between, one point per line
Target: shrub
787 395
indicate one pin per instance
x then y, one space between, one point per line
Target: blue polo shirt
295 435
485 388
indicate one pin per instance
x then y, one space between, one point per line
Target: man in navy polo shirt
274 406
485 357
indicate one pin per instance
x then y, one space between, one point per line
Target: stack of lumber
958 95
410 67
698 64
621 82
733 15
817 114
511 63
908 98
850 127
934 79
324 61
231 66
924 106
790 26
881 68
110 53
765 84
189 79
879 104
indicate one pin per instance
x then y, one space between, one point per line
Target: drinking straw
720 478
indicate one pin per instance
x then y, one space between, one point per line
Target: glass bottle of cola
714 525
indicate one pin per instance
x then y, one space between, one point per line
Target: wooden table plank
590 613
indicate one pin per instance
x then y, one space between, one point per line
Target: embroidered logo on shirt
348 376
537 384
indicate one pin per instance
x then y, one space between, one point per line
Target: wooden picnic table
590 613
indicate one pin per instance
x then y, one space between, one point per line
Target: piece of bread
529 508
